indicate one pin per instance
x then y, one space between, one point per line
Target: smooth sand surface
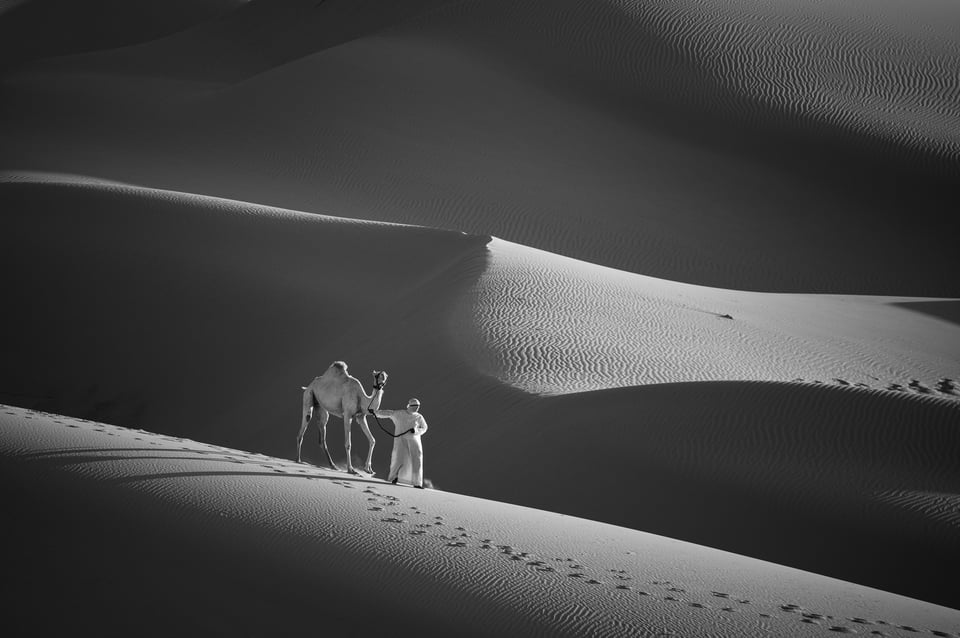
684 268
157 534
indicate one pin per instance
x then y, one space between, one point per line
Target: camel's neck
373 402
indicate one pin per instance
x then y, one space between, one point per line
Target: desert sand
674 283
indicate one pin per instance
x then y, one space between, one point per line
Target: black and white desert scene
657 300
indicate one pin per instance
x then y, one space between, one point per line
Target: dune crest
271 545
552 325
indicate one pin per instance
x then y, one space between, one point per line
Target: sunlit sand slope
202 317
134 532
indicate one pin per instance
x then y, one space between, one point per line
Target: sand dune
133 300
647 138
36 29
683 268
550 324
844 481
273 546
197 316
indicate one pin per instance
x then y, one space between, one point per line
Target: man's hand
370 410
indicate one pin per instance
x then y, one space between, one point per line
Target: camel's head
379 379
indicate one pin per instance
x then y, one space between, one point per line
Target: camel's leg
347 423
305 417
322 417
362 420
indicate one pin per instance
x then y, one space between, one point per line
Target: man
407 448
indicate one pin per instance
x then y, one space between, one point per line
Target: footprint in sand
809 618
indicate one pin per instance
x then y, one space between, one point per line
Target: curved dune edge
31 29
548 324
584 128
202 318
856 483
190 530
157 307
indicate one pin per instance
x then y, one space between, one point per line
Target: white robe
406 460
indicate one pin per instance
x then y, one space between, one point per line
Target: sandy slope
747 145
859 484
129 531
202 317
732 145
32 29
550 324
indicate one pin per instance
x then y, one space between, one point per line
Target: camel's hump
337 370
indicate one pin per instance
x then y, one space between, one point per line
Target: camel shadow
278 467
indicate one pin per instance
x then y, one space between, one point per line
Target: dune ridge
766 468
147 323
679 267
499 118
331 546
38 29
549 324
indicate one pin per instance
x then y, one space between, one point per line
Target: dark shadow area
33 29
787 473
117 565
948 309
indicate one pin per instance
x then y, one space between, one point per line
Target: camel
336 392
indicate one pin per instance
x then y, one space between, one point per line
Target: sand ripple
548 324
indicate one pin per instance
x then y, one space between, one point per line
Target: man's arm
382 414
421 427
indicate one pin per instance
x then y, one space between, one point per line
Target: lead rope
389 433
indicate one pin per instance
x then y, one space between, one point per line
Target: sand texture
675 282
275 547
